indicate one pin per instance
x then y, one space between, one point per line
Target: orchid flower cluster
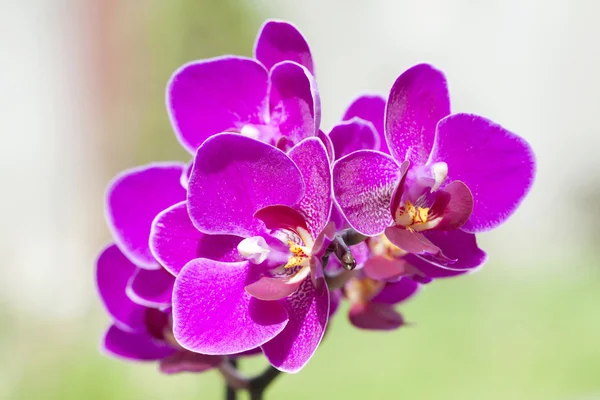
250 247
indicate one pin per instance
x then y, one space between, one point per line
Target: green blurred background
84 99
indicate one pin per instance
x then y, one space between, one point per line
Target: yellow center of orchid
415 218
300 255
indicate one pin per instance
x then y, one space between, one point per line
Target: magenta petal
213 314
133 199
233 177
308 309
497 165
311 158
397 292
458 208
375 316
137 346
175 241
281 41
417 101
363 183
294 101
384 269
281 217
151 288
456 245
412 242
371 108
186 361
273 288
113 271
216 95
353 135
328 145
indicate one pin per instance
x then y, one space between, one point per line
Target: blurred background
82 98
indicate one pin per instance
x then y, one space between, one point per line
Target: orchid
445 173
272 98
279 206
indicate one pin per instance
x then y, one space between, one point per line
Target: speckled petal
311 158
233 177
213 314
308 309
363 183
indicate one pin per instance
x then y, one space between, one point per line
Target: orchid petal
308 309
363 183
397 292
385 269
113 271
311 158
497 166
175 241
281 41
457 207
133 199
216 95
371 108
328 145
276 288
375 316
294 101
213 314
235 176
136 346
417 101
413 242
353 135
186 361
151 288
456 245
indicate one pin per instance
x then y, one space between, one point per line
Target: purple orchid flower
272 98
445 173
278 206
372 302
382 259
140 333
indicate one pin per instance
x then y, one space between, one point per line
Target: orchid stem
235 381
259 383
230 391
